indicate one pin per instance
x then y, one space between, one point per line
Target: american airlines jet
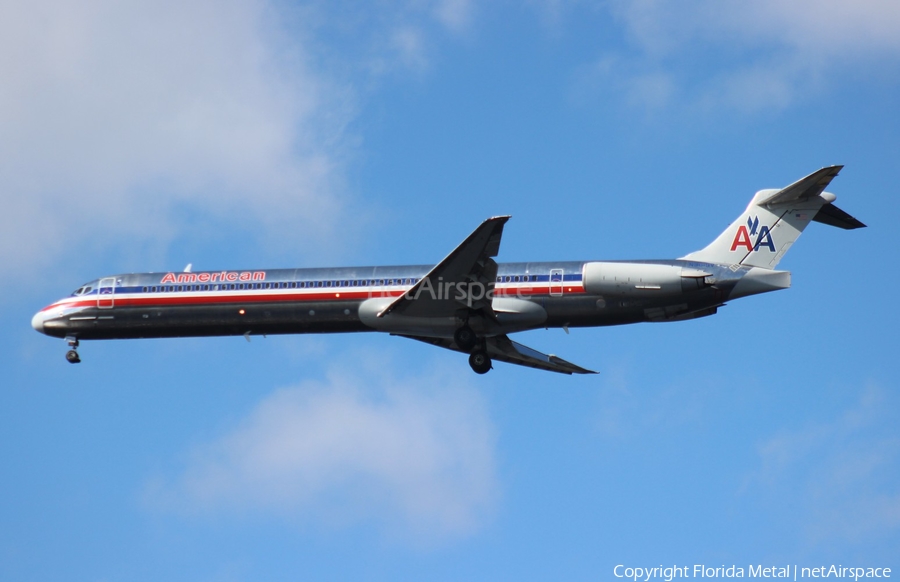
466 302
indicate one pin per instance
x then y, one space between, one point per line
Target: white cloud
841 474
454 14
814 28
627 411
117 116
404 35
119 120
414 453
409 48
752 55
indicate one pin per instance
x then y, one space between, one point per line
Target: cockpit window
83 290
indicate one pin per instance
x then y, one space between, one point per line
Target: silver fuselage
287 301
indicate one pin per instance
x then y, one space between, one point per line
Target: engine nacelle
641 279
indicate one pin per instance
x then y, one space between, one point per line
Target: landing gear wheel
465 338
480 362
72 354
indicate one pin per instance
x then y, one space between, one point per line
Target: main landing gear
72 355
465 338
480 361
467 341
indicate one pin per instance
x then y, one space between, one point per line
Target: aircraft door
106 292
556 282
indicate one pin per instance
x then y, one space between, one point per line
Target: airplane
467 302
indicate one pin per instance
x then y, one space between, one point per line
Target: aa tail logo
743 234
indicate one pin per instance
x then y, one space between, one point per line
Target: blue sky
257 134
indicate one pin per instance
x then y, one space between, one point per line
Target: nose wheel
72 355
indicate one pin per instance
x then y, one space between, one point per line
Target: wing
438 294
504 349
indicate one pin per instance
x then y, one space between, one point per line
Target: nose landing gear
72 355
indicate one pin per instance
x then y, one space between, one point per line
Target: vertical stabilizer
772 222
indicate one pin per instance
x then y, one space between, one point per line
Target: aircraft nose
37 322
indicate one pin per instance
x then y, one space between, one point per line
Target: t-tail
774 220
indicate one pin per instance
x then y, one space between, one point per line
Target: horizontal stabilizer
834 216
804 188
